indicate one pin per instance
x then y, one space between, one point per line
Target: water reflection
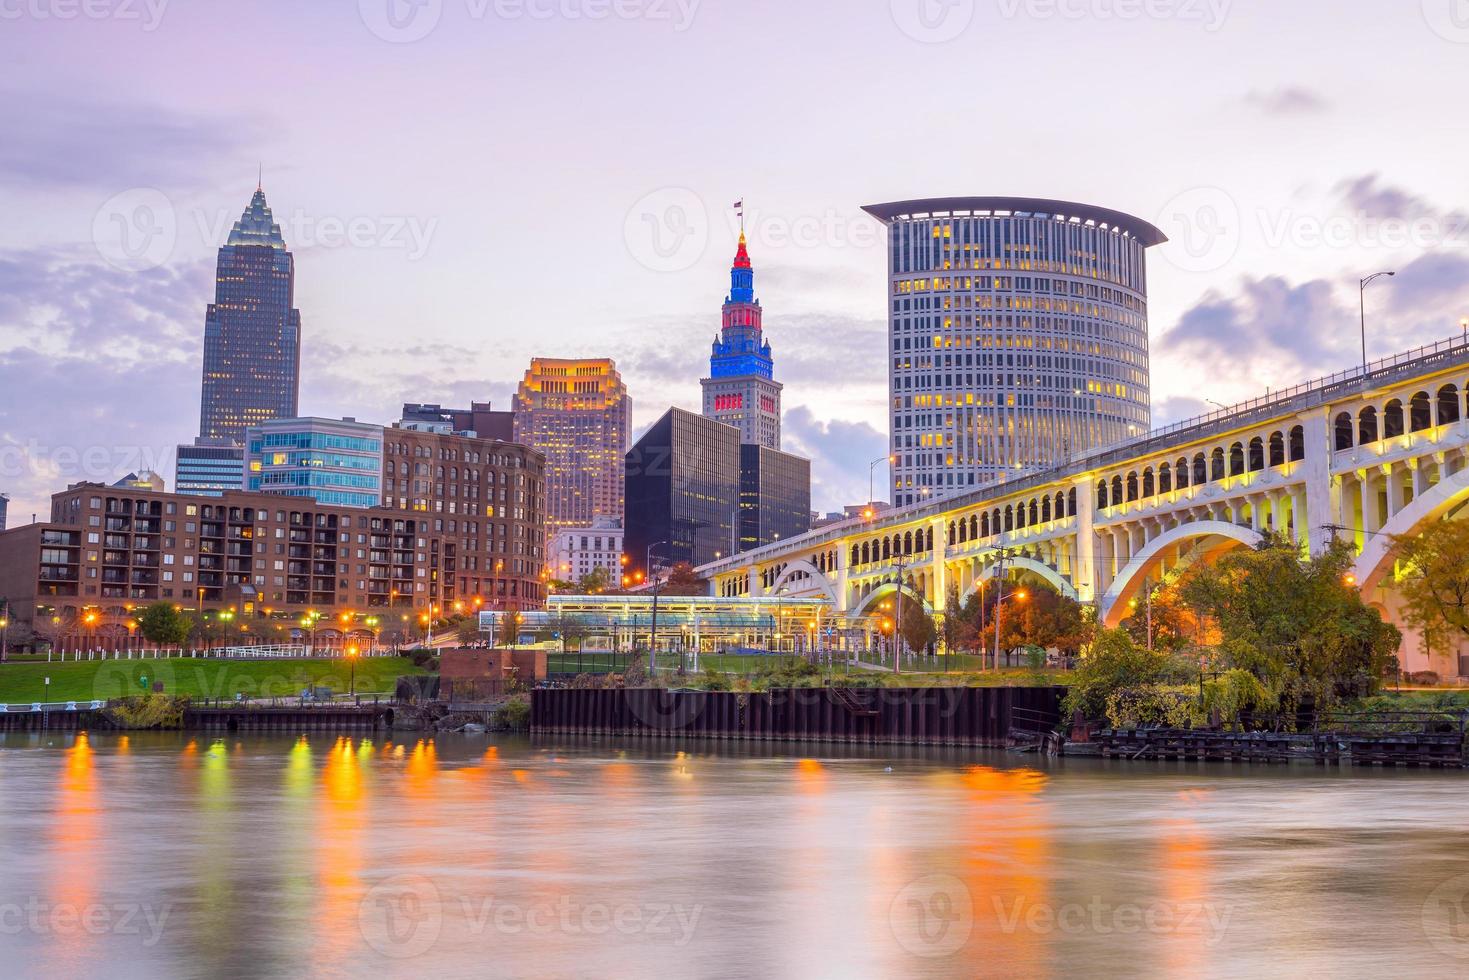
282 855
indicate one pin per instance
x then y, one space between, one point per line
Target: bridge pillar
844 597
938 576
1311 520
756 589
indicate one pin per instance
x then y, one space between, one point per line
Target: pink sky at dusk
464 200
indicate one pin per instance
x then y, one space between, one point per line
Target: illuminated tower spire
741 389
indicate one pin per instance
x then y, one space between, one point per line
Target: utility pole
898 621
999 599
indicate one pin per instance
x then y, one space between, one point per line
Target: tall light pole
870 467
653 627
1362 307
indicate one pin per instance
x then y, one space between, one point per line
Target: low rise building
576 552
274 562
209 468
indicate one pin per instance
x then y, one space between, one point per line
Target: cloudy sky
467 183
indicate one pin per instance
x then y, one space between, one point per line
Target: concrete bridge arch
1208 539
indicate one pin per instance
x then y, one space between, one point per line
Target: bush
421 657
148 711
513 715
1427 678
712 680
1114 663
1169 707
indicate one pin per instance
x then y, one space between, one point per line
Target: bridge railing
1315 391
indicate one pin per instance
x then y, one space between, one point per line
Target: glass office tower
252 332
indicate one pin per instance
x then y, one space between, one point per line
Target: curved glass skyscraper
1017 336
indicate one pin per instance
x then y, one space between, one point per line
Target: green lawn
103 679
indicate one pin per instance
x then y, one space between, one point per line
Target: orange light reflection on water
77 823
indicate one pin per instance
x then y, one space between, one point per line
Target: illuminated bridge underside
1377 453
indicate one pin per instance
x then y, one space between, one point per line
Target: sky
470 183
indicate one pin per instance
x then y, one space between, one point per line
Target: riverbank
102 680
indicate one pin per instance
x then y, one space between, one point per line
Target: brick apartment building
461 527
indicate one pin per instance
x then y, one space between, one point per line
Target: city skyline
1270 229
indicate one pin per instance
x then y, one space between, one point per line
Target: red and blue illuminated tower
741 389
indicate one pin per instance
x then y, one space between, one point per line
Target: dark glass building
775 496
252 333
683 487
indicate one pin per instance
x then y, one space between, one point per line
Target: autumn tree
1173 625
917 626
1434 582
683 580
1297 626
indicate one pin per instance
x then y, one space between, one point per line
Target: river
160 855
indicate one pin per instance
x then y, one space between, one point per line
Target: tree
595 582
507 629
1114 663
917 626
1173 624
683 580
1434 582
953 622
1298 626
163 625
1045 618
466 631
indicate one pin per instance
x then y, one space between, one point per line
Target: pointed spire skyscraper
252 331
741 389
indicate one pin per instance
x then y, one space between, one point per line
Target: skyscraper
578 415
741 389
1018 336
252 332
683 491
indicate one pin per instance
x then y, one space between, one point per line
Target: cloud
100 369
1288 100
1271 332
55 142
1375 200
840 452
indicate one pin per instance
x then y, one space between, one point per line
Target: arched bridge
1364 454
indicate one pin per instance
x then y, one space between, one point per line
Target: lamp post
653 628
352 660
4 636
1362 307
870 467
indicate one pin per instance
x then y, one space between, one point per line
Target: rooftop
1024 207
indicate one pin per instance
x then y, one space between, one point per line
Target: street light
352 659
870 466
1362 304
653 626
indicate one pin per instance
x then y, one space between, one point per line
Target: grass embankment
104 679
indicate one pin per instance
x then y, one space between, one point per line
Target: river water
168 855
